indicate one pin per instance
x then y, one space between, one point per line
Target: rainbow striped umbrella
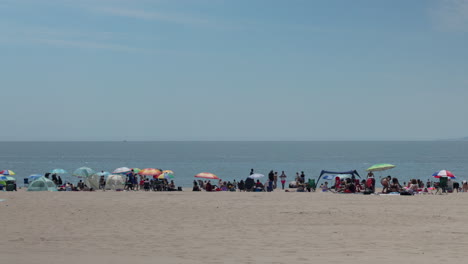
150 172
166 174
207 175
7 172
443 174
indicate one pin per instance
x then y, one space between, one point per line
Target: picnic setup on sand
153 179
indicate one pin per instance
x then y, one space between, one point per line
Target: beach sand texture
188 227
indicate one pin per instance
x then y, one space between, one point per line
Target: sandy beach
200 227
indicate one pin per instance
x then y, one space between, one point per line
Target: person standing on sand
251 171
370 175
275 182
302 177
271 178
283 179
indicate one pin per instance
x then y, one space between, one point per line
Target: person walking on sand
283 179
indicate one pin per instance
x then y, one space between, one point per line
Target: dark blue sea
233 160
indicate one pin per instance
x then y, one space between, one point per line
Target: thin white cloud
22 35
85 44
175 18
451 15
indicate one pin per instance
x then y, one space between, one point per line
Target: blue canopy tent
334 173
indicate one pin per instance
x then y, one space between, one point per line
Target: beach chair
311 185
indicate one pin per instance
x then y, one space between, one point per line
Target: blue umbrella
34 177
6 178
58 171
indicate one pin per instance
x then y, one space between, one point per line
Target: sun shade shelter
42 184
325 173
115 182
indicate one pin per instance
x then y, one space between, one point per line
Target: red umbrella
443 174
207 175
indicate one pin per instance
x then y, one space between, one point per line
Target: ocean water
233 160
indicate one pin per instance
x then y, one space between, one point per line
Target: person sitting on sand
300 187
241 186
395 186
195 188
259 187
208 186
386 184
464 186
413 186
80 185
324 187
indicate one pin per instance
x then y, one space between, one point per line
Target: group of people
55 178
253 183
135 182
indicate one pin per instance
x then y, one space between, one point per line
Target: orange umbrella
207 175
150 172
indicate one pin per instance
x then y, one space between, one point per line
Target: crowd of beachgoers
389 185
345 183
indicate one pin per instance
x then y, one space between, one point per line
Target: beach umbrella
150 172
443 174
166 174
103 173
381 167
207 175
83 172
7 178
58 171
256 176
7 172
122 170
136 170
34 177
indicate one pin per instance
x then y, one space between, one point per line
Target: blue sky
233 69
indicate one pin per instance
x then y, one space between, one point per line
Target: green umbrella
381 167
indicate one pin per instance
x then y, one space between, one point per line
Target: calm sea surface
233 160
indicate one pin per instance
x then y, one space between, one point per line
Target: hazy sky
233 69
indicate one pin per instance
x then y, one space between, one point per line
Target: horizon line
312 140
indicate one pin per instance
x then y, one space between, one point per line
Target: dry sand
186 227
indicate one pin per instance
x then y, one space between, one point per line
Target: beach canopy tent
115 182
92 181
331 175
42 184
